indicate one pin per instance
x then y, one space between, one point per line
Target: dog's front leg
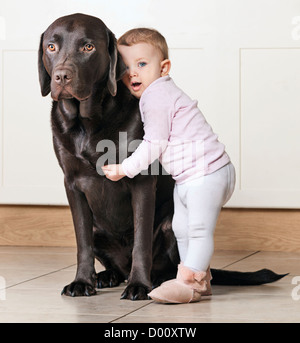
84 283
143 205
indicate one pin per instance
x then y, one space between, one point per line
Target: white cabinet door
238 58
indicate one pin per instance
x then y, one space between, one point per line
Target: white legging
197 205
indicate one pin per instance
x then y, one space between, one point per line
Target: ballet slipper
207 278
186 288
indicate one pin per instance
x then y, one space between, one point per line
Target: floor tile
222 259
279 262
34 278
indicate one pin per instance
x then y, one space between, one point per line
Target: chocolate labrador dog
126 225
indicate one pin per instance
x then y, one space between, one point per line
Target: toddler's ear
165 67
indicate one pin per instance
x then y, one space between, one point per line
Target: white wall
238 58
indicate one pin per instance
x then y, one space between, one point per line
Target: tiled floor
34 277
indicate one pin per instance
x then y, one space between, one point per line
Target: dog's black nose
63 76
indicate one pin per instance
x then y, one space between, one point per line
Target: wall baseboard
237 229
258 229
36 226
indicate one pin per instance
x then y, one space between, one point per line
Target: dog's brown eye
51 47
88 47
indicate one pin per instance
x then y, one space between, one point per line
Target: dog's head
76 52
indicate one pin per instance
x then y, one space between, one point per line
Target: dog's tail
232 278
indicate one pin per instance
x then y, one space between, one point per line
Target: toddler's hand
114 172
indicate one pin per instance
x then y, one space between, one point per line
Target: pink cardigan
177 133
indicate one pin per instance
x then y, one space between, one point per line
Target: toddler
176 132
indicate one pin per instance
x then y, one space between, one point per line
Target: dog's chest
81 145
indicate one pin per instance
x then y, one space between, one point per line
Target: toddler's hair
145 35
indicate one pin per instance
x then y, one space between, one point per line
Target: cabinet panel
29 166
239 59
270 121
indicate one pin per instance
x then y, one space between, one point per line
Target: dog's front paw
108 278
79 288
136 291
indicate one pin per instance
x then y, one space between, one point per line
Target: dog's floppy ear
44 77
117 67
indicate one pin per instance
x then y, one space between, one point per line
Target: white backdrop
239 58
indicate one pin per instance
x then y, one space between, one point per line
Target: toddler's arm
157 113
114 172
144 155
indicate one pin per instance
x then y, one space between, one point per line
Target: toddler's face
144 65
